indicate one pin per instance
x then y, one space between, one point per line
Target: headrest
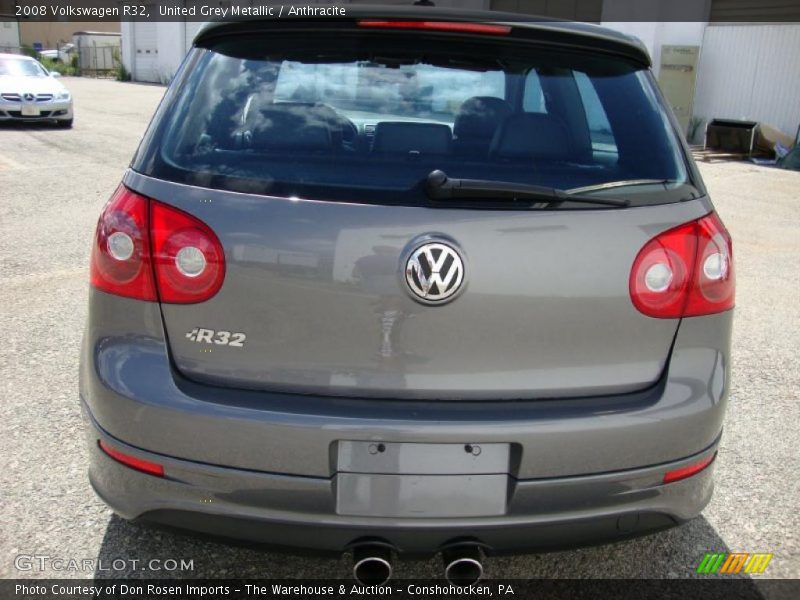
480 116
294 126
531 135
396 137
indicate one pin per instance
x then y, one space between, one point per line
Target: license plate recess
385 479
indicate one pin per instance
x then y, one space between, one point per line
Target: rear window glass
414 90
533 100
599 128
363 118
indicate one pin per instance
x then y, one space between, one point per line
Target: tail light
150 251
685 272
188 258
121 252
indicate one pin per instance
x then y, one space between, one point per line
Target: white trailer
97 51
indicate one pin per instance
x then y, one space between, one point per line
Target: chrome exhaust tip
462 566
372 565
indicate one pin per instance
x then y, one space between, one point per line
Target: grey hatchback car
409 281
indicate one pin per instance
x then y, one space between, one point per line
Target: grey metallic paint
299 512
133 392
544 310
262 465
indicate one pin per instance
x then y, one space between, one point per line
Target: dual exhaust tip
462 565
372 564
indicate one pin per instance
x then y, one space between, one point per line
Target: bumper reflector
689 470
131 461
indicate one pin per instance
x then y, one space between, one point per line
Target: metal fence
96 61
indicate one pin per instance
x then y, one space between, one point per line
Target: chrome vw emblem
434 272
29 97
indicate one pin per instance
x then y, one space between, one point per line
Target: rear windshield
365 118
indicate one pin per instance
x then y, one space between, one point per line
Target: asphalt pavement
53 184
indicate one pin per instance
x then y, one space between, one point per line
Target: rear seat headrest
479 116
397 137
532 135
294 126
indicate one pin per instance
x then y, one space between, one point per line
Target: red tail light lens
145 466
120 261
449 26
150 251
188 257
689 470
685 272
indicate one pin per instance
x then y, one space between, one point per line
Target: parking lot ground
52 186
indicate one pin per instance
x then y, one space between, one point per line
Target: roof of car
17 56
586 32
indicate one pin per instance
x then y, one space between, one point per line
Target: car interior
485 128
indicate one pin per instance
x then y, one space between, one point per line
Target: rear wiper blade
439 186
610 185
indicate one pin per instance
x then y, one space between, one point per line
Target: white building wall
191 30
126 45
751 72
9 36
747 71
175 37
171 48
171 40
649 20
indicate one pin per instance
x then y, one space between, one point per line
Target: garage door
145 52
192 27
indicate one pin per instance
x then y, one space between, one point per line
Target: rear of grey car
409 284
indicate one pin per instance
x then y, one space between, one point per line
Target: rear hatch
313 169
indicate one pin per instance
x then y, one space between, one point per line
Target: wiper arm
441 187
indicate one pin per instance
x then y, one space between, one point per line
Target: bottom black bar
234 589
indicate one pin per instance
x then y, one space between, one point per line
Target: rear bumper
262 466
299 512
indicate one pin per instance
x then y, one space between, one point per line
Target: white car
63 54
29 92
